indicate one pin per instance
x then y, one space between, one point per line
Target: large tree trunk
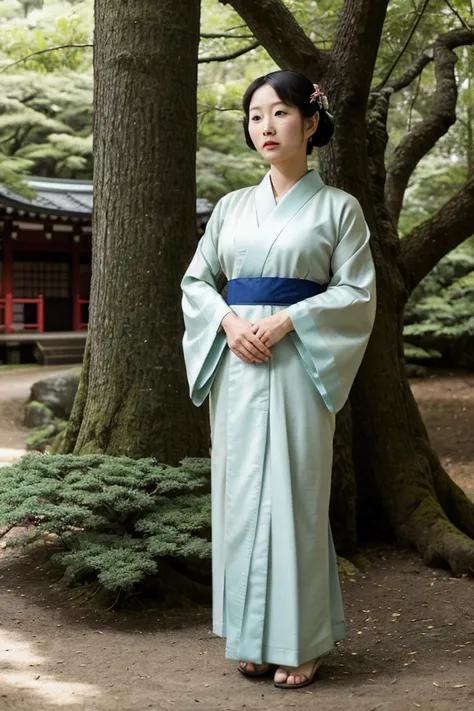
394 485
403 493
133 393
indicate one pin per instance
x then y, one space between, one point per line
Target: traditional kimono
276 594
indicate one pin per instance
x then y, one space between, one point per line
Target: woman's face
278 131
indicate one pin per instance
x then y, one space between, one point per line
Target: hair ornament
321 98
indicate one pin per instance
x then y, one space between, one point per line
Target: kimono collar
272 219
297 195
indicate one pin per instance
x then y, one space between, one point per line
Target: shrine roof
65 198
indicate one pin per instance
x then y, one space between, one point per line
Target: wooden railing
78 323
6 314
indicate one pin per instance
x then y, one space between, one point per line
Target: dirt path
410 642
410 645
14 391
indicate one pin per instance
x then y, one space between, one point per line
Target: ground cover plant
113 519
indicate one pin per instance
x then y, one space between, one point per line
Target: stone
416 371
57 392
37 414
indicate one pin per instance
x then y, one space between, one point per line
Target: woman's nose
267 127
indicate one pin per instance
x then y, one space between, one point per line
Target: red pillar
40 319
8 274
76 284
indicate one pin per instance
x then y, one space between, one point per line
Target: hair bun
325 130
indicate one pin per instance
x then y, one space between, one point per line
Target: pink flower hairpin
321 98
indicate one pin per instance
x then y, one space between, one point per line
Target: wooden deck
50 348
33 336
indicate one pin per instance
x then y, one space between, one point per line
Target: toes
281 676
247 666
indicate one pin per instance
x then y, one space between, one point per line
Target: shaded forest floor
410 643
447 405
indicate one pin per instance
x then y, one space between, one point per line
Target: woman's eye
255 118
279 112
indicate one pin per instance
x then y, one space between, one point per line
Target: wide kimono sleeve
331 330
203 310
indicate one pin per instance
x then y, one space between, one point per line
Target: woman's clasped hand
251 342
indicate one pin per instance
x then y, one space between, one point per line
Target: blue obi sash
271 291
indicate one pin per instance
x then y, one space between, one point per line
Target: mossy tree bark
133 393
396 487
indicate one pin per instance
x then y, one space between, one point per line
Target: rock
38 415
57 392
40 437
416 371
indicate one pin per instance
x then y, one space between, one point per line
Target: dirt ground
446 402
410 643
14 391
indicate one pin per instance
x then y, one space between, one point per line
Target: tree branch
421 139
43 51
231 55
411 73
422 249
461 20
291 48
223 35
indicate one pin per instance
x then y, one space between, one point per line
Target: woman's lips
271 145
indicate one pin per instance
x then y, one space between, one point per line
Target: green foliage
115 516
46 101
46 117
439 317
415 354
40 438
218 172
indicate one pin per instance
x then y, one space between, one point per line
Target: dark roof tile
71 198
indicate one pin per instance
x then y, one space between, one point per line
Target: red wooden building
45 262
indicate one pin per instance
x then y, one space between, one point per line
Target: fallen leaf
459 686
435 684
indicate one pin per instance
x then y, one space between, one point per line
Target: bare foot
247 666
293 676
252 669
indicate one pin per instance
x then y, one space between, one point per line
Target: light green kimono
276 594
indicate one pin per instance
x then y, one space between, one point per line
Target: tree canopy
46 121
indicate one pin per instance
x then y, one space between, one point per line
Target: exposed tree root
456 505
438 541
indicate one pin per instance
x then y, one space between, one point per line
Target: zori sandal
308 670
259 669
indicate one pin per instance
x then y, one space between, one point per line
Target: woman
278 357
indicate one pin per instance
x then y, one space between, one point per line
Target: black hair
294 90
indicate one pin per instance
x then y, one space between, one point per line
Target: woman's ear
312 124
